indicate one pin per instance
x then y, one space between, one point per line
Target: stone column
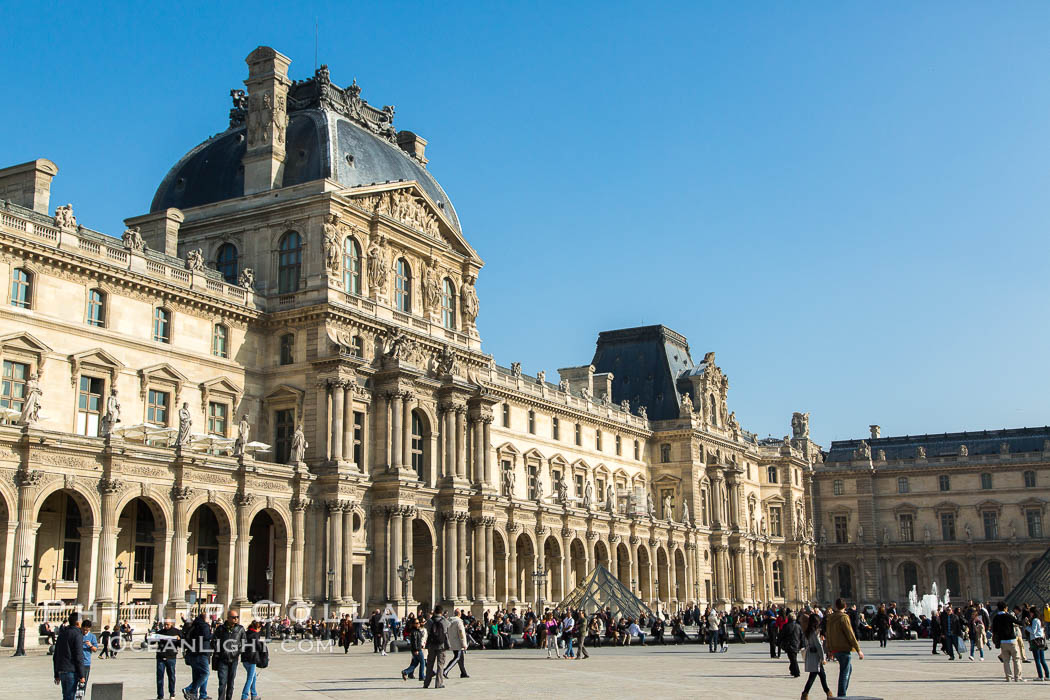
406 429
512 567
347 513
335 552
380 437
479 450
88 563
298 542
461 442
614 564
408 517
348 420
490 560
394 547
338 406
243 502
634 564
451 552
486 448
396 410
179 543
448 433
108 541
161 568
461 554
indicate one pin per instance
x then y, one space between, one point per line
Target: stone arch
645 586
601 555
951 575
843 581
424 550
525 562
910 573
499 565
681 592
158 504
269 554
140 546
554 567
995 583
210 524
87 501
663 575
623 566
63 565
578 564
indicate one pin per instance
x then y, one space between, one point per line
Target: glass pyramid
1034 586
600 590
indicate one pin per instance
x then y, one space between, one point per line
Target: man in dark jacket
168 640
791 642
228 641
772 634
69 658
437 643
197 646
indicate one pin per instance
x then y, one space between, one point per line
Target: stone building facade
962 510
275 379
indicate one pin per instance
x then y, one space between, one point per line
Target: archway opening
525 562
645 585
422 590
63 552
499 554
137 550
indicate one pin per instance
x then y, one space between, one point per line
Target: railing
12 222
55 613
89 246
266 611
137 612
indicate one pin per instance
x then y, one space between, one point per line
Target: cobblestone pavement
902 670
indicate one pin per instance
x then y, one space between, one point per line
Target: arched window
448 304
417 444
161 325
220 341
996 588
351 266
226 262
21 288
909 577
845 575
951 577
96 308
778 579
289 262
403 286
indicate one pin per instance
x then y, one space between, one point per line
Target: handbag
1039 643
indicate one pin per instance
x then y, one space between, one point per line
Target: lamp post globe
406 572
331 583
269 582
202 576
120 571
25 569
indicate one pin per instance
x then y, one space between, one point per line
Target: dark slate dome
331 133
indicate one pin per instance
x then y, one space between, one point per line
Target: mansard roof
646 363
984 442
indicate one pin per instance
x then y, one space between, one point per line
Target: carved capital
592 536
635 539
181 493
653 542
614 538
109 487
541 529
299 504
243 500
28 478
567 532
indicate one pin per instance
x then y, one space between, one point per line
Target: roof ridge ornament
319 92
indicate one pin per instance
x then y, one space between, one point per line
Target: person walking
552 635
712 630
977 634
254 656
567 633
68 660
841 641
1037 642
771 635
104 643
457 642
229 643
168 640
882 625
581 636
815 655
90 646
375 626
415 647
197 644
791 641
436 644
1004 636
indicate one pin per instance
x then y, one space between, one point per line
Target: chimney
29 184
875 431
267 85
159 229
413 144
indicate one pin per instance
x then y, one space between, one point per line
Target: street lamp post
20 650
202 574
269 582
405 572
634 588
539 578
657 580
331 583
121 570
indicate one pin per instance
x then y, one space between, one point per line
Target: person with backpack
168 640
254 656
415 647
437 643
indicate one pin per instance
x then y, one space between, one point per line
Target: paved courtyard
903 670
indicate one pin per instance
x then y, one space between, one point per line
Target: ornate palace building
271 388
964 510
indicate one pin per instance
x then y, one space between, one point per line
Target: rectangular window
774 522
157 407
598 439
359 437
89 405
948 527
637 450
220 341
284 428
555 428
579 435
902 484
771 474
143 572
532 422
287 356
161 325
836 487
619 446
217 418
1029 479
986 481
991 524
944 482
703 507
599 486
13 387
506 415
841 529
579 488
907 527
1034 520
532 481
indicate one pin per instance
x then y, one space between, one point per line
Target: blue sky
846 201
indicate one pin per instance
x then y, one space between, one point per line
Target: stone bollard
107 691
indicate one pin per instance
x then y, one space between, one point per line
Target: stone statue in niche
588 495
668 509
243 429
469 300
195 260
446 361
610 499
333 254
431 288
650 507
182 438
299 445
508 482
247 278
31 408
563 491
132 239
686 517
377 264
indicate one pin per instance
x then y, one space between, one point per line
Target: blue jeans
1039 655
200 667
69 684
165 667
249 682
973 644
568 646
417 660
843 657
227 672
712 640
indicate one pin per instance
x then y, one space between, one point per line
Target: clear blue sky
847 201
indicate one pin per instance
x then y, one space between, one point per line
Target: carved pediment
25 345
98 360
578 464
534 454
507 448
162 373
220 386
